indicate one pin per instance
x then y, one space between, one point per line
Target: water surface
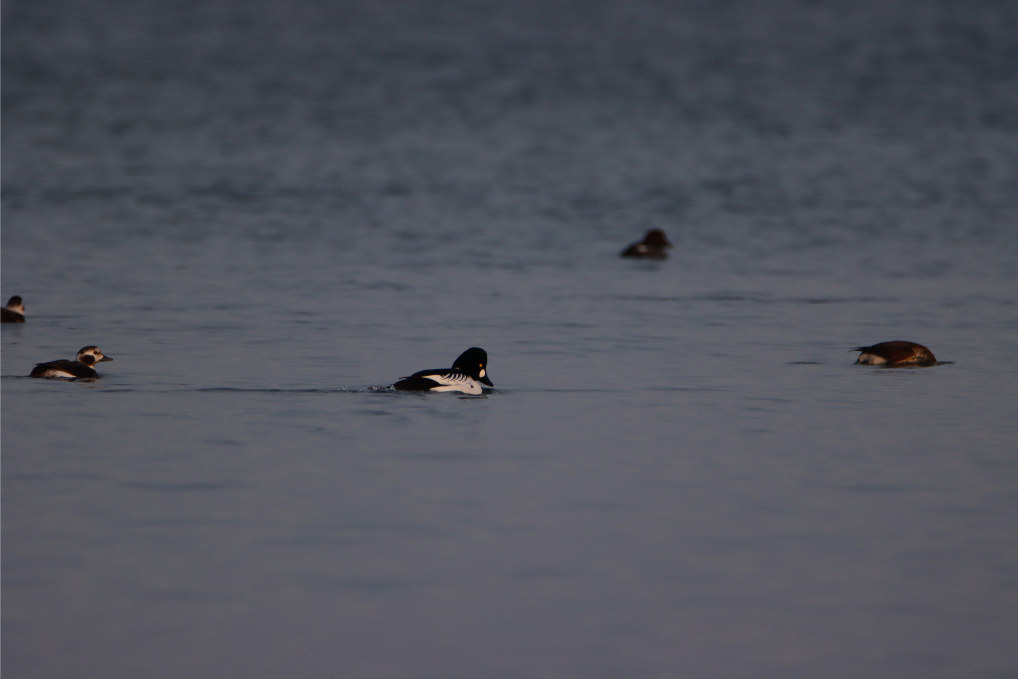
262 210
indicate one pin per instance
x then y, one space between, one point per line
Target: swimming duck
651 247
14 312
81 367
467 374
895 353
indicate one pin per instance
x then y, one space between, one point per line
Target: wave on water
279 391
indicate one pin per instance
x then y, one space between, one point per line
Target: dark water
261 209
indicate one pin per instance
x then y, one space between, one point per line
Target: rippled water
262 210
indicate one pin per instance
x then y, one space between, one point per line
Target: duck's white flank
455 382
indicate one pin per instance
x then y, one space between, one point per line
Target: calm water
262 209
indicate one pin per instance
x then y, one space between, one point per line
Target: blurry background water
261 208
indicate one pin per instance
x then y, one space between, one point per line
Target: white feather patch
454 382
53 372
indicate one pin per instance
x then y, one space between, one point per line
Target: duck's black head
15 304
474 362
656 238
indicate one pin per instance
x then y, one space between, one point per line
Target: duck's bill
104 358
485 380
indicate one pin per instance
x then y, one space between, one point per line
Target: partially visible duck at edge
653 246
80 368
895 353
14 312
467 374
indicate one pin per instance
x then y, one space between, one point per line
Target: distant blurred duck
467 374
14 312
651 247
895 353
80 367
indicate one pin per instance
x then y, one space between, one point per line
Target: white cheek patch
482 372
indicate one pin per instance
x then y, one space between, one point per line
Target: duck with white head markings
653 246
14 312
82 367
467 374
